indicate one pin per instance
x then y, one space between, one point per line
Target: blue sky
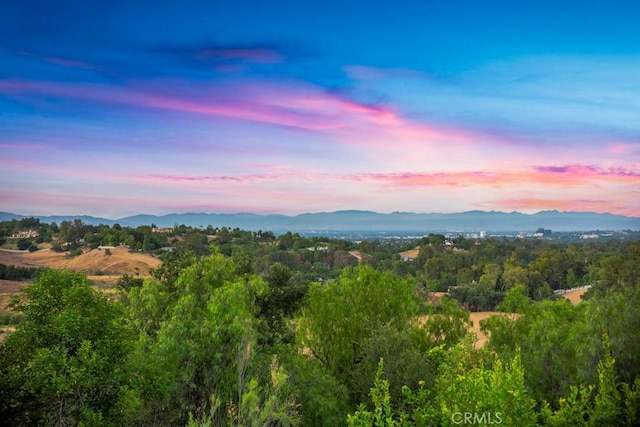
117 108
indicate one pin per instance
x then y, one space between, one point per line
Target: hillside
120 262
108 267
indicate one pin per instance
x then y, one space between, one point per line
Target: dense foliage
243 328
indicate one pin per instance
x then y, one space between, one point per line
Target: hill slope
120 262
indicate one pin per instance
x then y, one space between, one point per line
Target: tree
198 355
615 313
278 305
557 351
340 315
64 363
465 385
23 244
514 275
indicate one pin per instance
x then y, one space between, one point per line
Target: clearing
575 296
101 269
120 262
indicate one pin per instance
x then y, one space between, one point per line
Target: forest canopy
254 329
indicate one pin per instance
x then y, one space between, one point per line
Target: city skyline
279 107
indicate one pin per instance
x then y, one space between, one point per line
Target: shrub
75 253
11 318
23 244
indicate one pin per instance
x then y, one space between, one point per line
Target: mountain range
355 220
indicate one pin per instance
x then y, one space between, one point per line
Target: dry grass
108 267
575 297
411 253
120 262
8 288
476 318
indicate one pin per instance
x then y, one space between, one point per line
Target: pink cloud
543 177
229 108
624 148
295 105
560 176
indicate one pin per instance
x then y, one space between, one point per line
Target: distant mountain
353 220
6 216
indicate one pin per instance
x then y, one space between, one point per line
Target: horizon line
319 212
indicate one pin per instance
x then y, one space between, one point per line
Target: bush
32 248
23 244
126 282
11 318
75 253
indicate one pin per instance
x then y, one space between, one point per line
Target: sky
115 108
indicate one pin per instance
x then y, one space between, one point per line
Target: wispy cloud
360 72
547 176
296 105
17 146
64 62
225 57
543 177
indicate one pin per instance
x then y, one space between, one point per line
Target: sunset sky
114 108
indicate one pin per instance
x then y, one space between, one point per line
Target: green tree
200 354
340 315
278 304
557 351
465 385
23 244
64 364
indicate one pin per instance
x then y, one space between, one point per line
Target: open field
120 262
101 269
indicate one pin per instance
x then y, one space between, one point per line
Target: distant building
590 236
29 234
164 230
543 232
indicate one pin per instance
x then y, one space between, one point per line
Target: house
29 234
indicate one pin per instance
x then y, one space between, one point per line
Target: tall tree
64 364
